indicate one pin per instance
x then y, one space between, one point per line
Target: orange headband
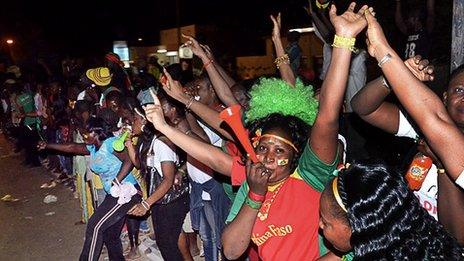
337 195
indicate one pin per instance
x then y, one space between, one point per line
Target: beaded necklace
264 210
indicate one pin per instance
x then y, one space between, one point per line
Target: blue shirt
106 165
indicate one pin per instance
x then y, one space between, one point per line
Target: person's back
26 101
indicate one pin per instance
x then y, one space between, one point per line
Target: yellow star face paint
282 162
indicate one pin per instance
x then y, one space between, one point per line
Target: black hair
109 121
180 108
132 105
175 70
293 128
293 36
386 219
100 127
82 106
114 96
145 80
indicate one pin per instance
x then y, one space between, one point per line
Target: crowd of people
260 173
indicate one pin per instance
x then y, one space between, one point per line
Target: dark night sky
89 27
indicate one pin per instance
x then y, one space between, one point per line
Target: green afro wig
273 95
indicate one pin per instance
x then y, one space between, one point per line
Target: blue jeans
209 233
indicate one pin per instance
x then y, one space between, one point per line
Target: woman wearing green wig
276 209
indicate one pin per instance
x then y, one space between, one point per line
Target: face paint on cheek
282 162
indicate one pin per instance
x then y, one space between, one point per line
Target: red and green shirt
288 229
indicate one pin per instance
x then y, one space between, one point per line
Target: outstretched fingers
332 12
362 10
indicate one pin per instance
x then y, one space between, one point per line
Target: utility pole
457 37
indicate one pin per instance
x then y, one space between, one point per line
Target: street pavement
31 229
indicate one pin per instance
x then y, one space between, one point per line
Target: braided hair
386 219
104 125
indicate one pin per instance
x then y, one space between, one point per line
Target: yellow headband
336 194
289 143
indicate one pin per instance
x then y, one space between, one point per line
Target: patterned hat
101 76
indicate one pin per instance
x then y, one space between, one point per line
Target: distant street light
9 41
140 39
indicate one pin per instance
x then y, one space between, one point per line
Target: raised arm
421 103
324 133
237 235
369 103
133 153
208 115
284 67
221 87
72 148
205 153
229 80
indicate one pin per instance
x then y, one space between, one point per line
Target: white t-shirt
160 152
428 193
405 128
200 176
215 140
40 106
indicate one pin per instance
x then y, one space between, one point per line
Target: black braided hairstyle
104 125
294 129
386 219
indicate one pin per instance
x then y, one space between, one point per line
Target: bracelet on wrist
183 172
344 42
284 59
253 204
189 103
386 58
116 182
145 205
256 197
385 83
208 63
322 6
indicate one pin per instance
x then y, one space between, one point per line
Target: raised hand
420 68
376 39
349 24
174 88
276 20
257 178
195 46
208 52
154 112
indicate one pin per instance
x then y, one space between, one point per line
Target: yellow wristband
322 6
343 42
